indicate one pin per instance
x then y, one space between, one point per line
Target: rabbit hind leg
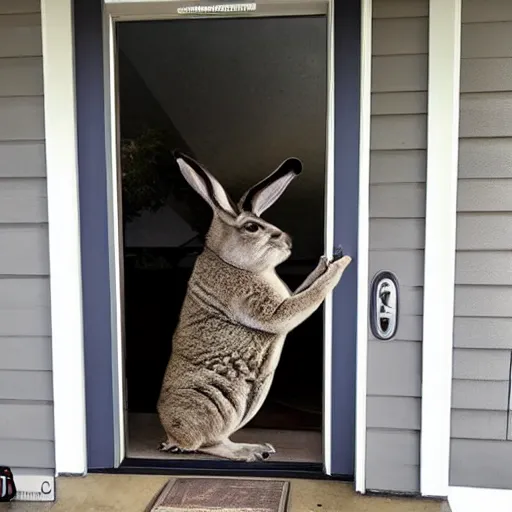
239 451
171 446
180 436
178 444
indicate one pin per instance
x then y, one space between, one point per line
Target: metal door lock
384 306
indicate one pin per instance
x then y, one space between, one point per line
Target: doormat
222 495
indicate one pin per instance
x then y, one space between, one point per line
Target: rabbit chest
236 348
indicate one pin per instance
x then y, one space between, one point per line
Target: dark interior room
240 110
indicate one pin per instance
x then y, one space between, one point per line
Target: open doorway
240 96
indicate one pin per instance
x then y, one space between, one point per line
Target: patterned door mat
222 495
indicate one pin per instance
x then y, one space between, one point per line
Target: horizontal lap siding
483 283
26 410
397 237
20 34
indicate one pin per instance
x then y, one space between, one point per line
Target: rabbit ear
205 184
264 194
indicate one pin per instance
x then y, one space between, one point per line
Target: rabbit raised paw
234 319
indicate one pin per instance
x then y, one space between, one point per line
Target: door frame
88 158
142 10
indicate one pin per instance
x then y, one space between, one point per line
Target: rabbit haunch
234 319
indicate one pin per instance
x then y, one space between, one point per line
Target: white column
363 243
442 162
64 235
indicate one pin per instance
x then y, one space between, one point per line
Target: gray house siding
481 446
26 411
397 230
480 452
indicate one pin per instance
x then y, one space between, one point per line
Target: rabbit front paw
337 267
323 264
340 264
338 253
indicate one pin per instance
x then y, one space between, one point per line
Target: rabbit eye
252 227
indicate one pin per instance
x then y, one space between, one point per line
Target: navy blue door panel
346 191
94 232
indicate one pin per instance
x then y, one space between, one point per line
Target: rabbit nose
287 239
284 237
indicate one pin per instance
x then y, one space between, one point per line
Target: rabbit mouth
285 246
286 241
281 243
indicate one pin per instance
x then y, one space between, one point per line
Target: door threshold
300 470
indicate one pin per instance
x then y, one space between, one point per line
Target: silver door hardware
384 306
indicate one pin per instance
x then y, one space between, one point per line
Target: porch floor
145 434
132 493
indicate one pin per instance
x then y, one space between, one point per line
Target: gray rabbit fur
234 319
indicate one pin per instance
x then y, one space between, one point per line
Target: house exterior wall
26 411
481 445
397 231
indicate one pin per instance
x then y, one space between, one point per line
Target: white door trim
64 237
115 236
440 238
476 499
148 10
118 11
363 243
329 243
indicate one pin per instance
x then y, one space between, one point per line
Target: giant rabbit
234 319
